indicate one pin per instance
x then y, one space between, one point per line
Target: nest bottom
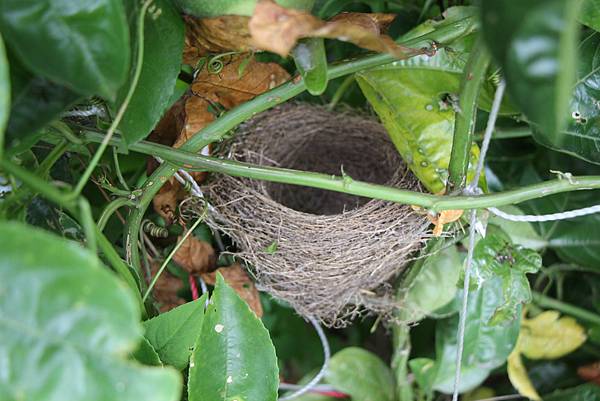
329 255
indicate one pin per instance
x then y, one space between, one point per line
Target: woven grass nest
329 255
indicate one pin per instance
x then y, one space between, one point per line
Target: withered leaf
238 279
195 256
166 288
590 372
277 29
226 88
215 35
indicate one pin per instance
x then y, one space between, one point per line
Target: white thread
326 355
546 217
85 112
471 189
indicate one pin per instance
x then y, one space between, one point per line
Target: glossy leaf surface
537 53
486 346
233 357
4 92
66 320
361 374
210 8
163 47
311 62
415 101
497 258
83 45
174 333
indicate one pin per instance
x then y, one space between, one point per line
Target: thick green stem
110 209
568 309
464 125
195 162
400 357
218 129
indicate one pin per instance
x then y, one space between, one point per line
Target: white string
326 355
546 217
85 112
471 189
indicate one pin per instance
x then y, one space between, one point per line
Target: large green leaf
361 374
486 346
581 137
211 8
496 258
67 324
33 93
590 14
435 285
520 232
534 41
415 101
174 333
163 47
4 92
83 44
585 392
233 358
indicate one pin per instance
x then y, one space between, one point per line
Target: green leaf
581 138
146 354
311 62
33 93
414 99
534 41
585 392
590 14
435 285
361 374
4 92
425 371
83 45
486 346
211 8
163 48
233 358
174 333
496 258
66 325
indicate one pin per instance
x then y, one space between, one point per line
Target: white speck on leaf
229 379
219 328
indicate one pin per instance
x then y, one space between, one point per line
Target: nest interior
335 253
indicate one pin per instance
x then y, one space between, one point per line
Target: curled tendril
214 64
154 230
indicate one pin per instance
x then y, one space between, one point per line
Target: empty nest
329 255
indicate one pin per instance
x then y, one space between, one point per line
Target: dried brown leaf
277 29
238 279
215 35
195 256
590 372
188 116
165 290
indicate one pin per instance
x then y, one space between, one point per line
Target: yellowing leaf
519 378
547 336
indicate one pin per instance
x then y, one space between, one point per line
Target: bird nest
328 254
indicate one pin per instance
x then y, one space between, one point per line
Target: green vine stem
178 158
219 128
464 126
111 208
568 309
